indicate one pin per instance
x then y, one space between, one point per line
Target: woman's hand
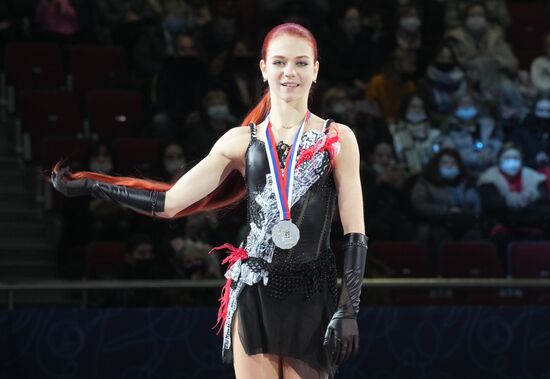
70 188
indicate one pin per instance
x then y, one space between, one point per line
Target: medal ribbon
283 181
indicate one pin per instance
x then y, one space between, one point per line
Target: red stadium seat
529 259
136 156
104 259
114 113
529 23
461 259
71 149
48 113
98 67
34 65
405 259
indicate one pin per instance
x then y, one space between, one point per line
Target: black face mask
444 66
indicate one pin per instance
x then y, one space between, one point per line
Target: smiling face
289 68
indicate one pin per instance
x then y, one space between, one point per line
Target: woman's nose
289 70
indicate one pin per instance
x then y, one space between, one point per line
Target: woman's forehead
290 47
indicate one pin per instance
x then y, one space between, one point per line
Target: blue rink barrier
175 343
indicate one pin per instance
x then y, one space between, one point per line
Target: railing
93 285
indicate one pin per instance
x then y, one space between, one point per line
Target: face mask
173 165
218 112
449 172
103 167
510 166
378 168
410 24
338 108
476 23
174 25
542 109
444 66
415 117
466 113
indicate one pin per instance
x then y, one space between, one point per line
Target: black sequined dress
291 295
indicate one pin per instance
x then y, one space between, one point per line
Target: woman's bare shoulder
233 143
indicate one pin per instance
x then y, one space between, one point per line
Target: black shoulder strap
327 125
253 130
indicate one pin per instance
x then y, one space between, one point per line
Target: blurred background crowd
449 100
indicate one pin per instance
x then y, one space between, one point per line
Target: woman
414 138
446 200
283 324
476 137
515 199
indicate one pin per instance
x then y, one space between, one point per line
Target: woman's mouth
290 84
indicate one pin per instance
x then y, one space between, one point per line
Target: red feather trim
321 145
235 255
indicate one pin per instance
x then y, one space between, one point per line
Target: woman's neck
284 116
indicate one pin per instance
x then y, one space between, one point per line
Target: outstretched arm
162 201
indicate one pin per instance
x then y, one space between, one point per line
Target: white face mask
415 117
173 165
410 24
542 109
218 112
510 166
476 23
103 167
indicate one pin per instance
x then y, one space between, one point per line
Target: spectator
540 68
475 137
180 84
157 42
446 200
478 37
173 162
123 20
239 78
497 12
414 138
207 124
386 197
496 95
350 51
533 137
389 87
515 199
407 35
443 81
219 35
57 19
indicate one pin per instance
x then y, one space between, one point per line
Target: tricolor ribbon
283 181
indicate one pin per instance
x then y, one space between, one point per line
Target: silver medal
285 234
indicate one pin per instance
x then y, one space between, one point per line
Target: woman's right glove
142 201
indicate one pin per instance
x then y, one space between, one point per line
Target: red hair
233 187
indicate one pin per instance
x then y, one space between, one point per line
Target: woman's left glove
143 201
342 334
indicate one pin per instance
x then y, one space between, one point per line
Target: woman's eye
278 62
302 63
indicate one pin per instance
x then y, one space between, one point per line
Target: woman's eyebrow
283 57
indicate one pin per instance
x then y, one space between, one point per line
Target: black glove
342 335
142 201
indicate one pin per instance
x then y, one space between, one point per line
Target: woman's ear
262 69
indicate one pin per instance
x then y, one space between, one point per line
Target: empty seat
48 113
529 259
405 259
70 149
114 113
104 259
135 156
98 67
465 259
34 65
